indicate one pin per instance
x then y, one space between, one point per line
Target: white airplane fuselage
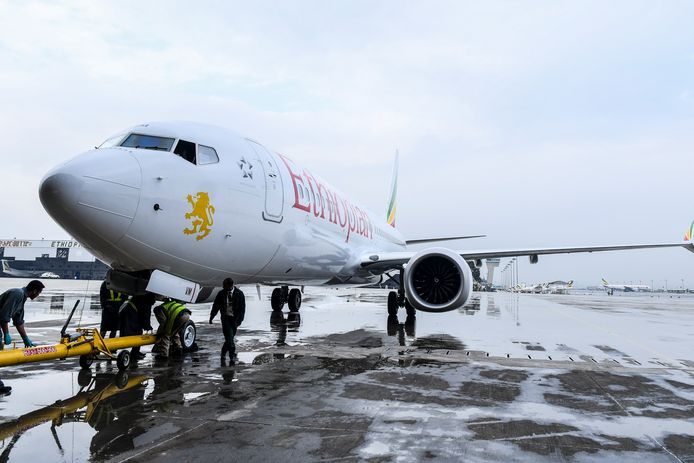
254 215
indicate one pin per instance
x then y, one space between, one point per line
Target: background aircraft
175 207
8 270
611 288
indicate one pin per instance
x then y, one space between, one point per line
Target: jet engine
437 280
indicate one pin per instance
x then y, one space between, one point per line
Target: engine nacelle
437 280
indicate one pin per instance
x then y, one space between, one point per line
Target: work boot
5 390
159 351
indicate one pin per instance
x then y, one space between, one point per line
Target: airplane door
274 193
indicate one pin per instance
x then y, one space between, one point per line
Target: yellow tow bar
87 343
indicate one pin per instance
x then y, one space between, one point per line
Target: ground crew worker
111 301
135 314
12 308
231 304
172 317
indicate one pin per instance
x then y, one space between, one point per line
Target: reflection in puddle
439 341
96 403
281 325
57 302
395 328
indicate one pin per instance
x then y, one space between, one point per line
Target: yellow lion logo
201 215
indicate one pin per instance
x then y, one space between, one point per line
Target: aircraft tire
86 361
392 303
123 360
276 301
294 300
411 311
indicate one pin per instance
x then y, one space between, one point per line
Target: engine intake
437 280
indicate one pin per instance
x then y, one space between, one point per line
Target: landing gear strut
283 295
397 299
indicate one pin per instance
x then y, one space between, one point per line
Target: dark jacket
135 315
238 304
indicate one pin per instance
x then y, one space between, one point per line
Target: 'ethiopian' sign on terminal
14 243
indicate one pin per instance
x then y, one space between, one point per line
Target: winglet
688 234
392 201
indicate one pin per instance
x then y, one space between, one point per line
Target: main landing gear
283 295
397 299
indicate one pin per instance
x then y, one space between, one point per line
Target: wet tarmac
583 377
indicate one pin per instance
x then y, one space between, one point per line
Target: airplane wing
390 260
447 238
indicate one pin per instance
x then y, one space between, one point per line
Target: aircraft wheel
86 361
276 301
392 303
411 311
123 360
294 300
188 335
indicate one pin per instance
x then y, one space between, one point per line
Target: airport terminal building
57 258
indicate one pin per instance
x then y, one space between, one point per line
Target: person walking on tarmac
135 314
12 308
231 304
172 317
110 303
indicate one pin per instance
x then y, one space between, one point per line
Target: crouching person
172 317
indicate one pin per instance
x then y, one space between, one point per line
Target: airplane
559 287
175 207
8 270
611 288
527 289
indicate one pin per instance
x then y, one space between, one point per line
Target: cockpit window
186 150
112 141
148 142
207 155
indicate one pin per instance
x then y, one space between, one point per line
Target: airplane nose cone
94 196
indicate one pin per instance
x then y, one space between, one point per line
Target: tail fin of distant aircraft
571 284
604 282
688 234
392 201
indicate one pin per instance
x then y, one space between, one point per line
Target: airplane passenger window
207 155
186 150
148 142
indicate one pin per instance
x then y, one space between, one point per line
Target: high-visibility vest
114 296
126 304
172 309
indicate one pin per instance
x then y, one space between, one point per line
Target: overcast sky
536 123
